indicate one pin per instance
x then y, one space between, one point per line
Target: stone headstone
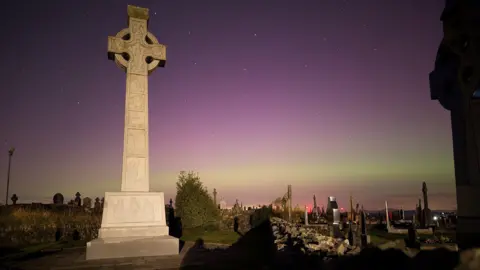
14 199
306 215
333 213
133 220
97 206
364 239
351 235
78 199
58 198
87 203
412 238
215 196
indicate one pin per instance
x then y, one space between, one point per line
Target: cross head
134 49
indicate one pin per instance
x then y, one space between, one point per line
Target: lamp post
10 154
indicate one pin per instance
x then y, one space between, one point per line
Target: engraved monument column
133 221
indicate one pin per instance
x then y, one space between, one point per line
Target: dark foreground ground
255 250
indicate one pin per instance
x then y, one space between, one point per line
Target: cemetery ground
8 252
70 254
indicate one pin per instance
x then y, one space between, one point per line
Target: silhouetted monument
14 199
215 196
351 214
315 212
363 229
87 203
333 217
58 198
427 216
10 154
78 199
387 216
455 84
134 219
97 206
289 202
419 215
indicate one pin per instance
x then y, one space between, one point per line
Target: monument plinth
133 221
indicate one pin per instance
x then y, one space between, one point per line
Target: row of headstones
58 199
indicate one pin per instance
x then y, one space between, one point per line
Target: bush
193 204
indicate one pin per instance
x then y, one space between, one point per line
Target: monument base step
122 247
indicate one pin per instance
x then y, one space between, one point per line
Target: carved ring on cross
121 59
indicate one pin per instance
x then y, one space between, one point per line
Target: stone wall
23 225
26 226
227 218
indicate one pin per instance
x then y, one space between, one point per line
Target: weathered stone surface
124 247
134 222
308 240
133 214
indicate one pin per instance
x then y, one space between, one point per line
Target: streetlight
10 154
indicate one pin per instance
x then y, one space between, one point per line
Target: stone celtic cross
137 52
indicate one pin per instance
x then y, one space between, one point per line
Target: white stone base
133 214
133 225
141 231
124 247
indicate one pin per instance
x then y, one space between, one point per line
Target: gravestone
215 196
58 198
387 217
364 237
427 215
14 199
306 215
133 220
78 199
97 206
333 217
351 235
87 203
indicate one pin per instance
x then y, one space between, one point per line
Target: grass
39 248
210 236
378 237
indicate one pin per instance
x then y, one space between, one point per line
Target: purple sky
329 96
